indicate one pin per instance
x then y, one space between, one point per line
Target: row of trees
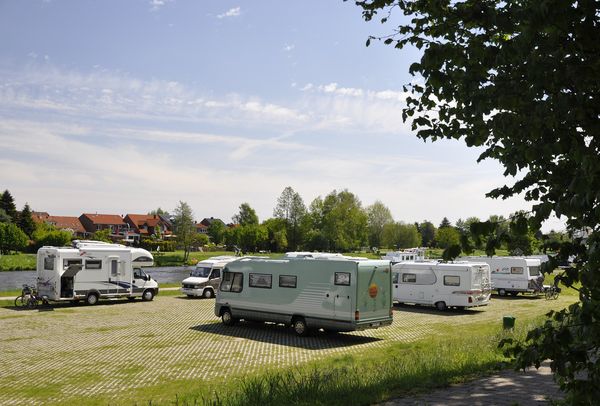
18 230
339 222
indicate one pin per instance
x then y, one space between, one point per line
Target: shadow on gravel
63 305
410 308
518 297
281 335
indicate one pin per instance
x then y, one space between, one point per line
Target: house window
287 281
260 280
451 280
93 264
232 282
342 278
409 278
516 270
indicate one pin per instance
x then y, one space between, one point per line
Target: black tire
227 318
20 302
208 294
501 292
441 306
148 295
300 327
32 302
92 299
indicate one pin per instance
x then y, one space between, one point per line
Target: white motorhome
309 294
411 254
443 285
204 280
511 275
92 270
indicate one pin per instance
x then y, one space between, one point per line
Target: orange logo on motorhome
373 290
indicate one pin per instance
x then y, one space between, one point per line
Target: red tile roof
112 219
66 222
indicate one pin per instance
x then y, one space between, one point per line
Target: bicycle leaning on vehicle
29 298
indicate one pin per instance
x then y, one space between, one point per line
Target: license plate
376 324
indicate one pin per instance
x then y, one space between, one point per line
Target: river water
12 280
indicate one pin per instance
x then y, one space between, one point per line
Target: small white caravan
411 254
443 285
308 294
511 275
92 270
204 280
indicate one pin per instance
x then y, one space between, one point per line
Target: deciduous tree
290 208
520 80
185 228
246 215
378 215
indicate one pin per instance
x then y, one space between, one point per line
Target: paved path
509 387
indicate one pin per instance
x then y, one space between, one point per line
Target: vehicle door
139 280
215 278
344 283
114 275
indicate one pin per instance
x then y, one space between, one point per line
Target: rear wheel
300 327
148 295
92 299
501 292
441 306
208 294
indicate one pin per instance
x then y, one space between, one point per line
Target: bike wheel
19 301
32 302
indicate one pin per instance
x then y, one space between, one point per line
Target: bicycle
551 292
29 298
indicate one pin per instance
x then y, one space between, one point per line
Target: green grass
17 262
175 258
371 376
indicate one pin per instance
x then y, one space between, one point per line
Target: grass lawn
17 262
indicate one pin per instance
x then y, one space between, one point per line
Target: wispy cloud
157 4
232 12
289 47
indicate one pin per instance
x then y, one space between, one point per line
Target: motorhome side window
395 277
69 262
93 264
114 267
287 281
342 278
450 280
49 263
232 282
516 270
409 278
534 270
142 259
260 280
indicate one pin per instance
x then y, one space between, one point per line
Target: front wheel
227 318
92 299
20 301
148 295
501 292
208 294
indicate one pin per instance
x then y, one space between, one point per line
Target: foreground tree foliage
185 228
521 79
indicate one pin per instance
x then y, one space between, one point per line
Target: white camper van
443 285
93 270
336 295
511 275
204 280
411 254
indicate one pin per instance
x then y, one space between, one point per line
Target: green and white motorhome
308 294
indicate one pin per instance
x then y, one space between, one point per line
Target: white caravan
511 275
204 280
443 285
308 294
93 270
411 254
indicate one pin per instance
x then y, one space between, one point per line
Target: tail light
357 315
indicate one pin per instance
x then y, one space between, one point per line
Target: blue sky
125 106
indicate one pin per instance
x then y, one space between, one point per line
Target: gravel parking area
78 351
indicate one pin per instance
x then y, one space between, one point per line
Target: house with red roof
93 222
64 223
145 225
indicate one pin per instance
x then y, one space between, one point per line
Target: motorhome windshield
201 272
534 270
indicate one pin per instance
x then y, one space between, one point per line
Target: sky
126 106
